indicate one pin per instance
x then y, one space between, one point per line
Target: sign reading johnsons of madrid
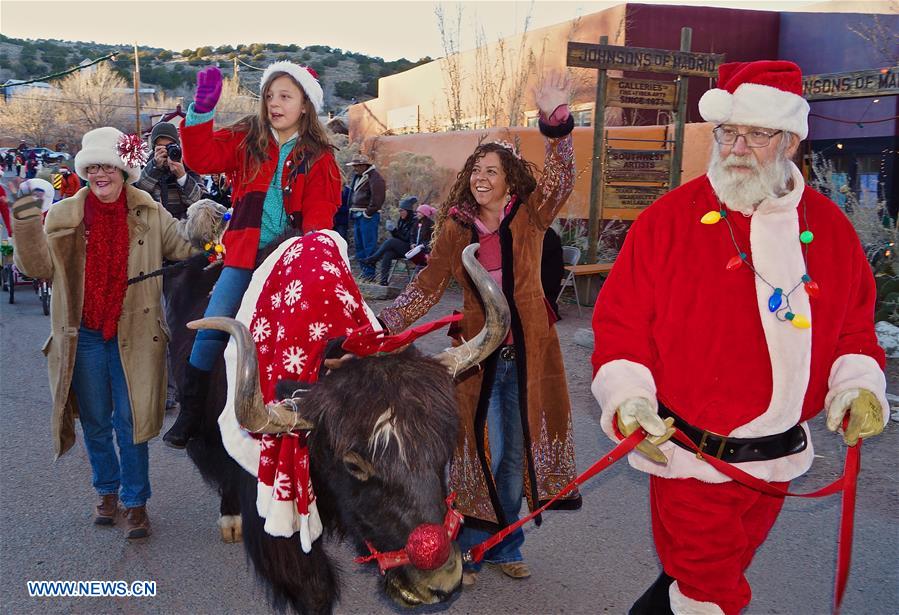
589 55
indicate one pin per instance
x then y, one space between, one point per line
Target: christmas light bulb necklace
779 301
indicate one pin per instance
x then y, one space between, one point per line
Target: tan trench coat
57 252
543 390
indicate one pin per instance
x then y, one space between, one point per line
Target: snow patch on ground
888 338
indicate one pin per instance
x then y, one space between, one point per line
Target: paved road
596 560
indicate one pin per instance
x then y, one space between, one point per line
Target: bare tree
881 35
95 98
30 116
452 62
236 101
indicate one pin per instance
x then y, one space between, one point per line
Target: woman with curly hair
515 437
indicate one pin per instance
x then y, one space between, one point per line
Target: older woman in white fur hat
106 350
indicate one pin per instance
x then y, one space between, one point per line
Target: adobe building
859 135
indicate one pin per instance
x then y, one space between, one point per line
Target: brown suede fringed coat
543 391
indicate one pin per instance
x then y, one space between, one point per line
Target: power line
61 73
93 104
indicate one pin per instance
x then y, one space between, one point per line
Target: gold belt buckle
702 443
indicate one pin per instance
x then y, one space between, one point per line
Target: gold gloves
865 414
639 412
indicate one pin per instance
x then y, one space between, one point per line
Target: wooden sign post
856 84
647 173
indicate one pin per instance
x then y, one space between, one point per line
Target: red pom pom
133 150
428 547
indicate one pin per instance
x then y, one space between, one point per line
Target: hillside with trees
346 76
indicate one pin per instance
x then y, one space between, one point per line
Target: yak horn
496 322
253 414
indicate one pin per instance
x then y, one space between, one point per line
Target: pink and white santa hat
764 94
305 76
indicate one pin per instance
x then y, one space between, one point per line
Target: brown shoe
137 522
516 570
105 512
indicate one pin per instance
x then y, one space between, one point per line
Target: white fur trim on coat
617 381
777 256
753 104
858 371
310 84
681 605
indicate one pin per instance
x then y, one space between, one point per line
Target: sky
388 29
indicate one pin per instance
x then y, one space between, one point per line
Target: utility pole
136 90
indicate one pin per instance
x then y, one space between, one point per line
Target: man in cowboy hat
740 306
367 192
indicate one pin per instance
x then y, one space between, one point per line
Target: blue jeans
102 393
226 296
506 439
365 234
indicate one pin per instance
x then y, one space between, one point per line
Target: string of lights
60 73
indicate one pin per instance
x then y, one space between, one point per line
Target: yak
376 480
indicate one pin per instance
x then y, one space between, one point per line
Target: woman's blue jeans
506 439
226 296
102 393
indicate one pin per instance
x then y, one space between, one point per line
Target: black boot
655 600
193 401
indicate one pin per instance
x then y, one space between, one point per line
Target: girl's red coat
314 195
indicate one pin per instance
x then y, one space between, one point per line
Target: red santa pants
706 535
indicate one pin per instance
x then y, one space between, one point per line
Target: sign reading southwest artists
613 57
855 84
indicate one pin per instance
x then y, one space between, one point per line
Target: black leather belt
739 450
507 353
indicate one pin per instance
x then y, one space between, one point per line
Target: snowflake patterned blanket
301 296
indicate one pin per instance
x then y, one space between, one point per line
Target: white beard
743 192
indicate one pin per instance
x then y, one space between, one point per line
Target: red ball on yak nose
428 547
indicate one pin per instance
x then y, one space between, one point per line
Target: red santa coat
315 193
673 324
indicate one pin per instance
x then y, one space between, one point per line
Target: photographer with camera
165 177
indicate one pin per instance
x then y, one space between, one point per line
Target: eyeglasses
725 135
93 169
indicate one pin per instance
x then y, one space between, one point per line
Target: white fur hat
765 94
101 146
305 76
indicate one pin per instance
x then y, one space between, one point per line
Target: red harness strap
845 483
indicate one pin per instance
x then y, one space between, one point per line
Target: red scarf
106 266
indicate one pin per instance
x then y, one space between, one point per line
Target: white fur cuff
858 371
681 605
617 381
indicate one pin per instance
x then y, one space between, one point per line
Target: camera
173 150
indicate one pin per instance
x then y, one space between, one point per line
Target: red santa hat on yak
765 94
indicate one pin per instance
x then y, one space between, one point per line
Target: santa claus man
740 306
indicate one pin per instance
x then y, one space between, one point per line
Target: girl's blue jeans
226 296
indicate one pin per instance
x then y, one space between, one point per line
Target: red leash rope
846 483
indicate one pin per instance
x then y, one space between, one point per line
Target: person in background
165 176
398 243
367 193
70 182
552 269
106 351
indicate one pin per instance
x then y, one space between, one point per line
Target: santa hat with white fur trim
764 94
305 76
103 146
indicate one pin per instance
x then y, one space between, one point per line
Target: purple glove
209 89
